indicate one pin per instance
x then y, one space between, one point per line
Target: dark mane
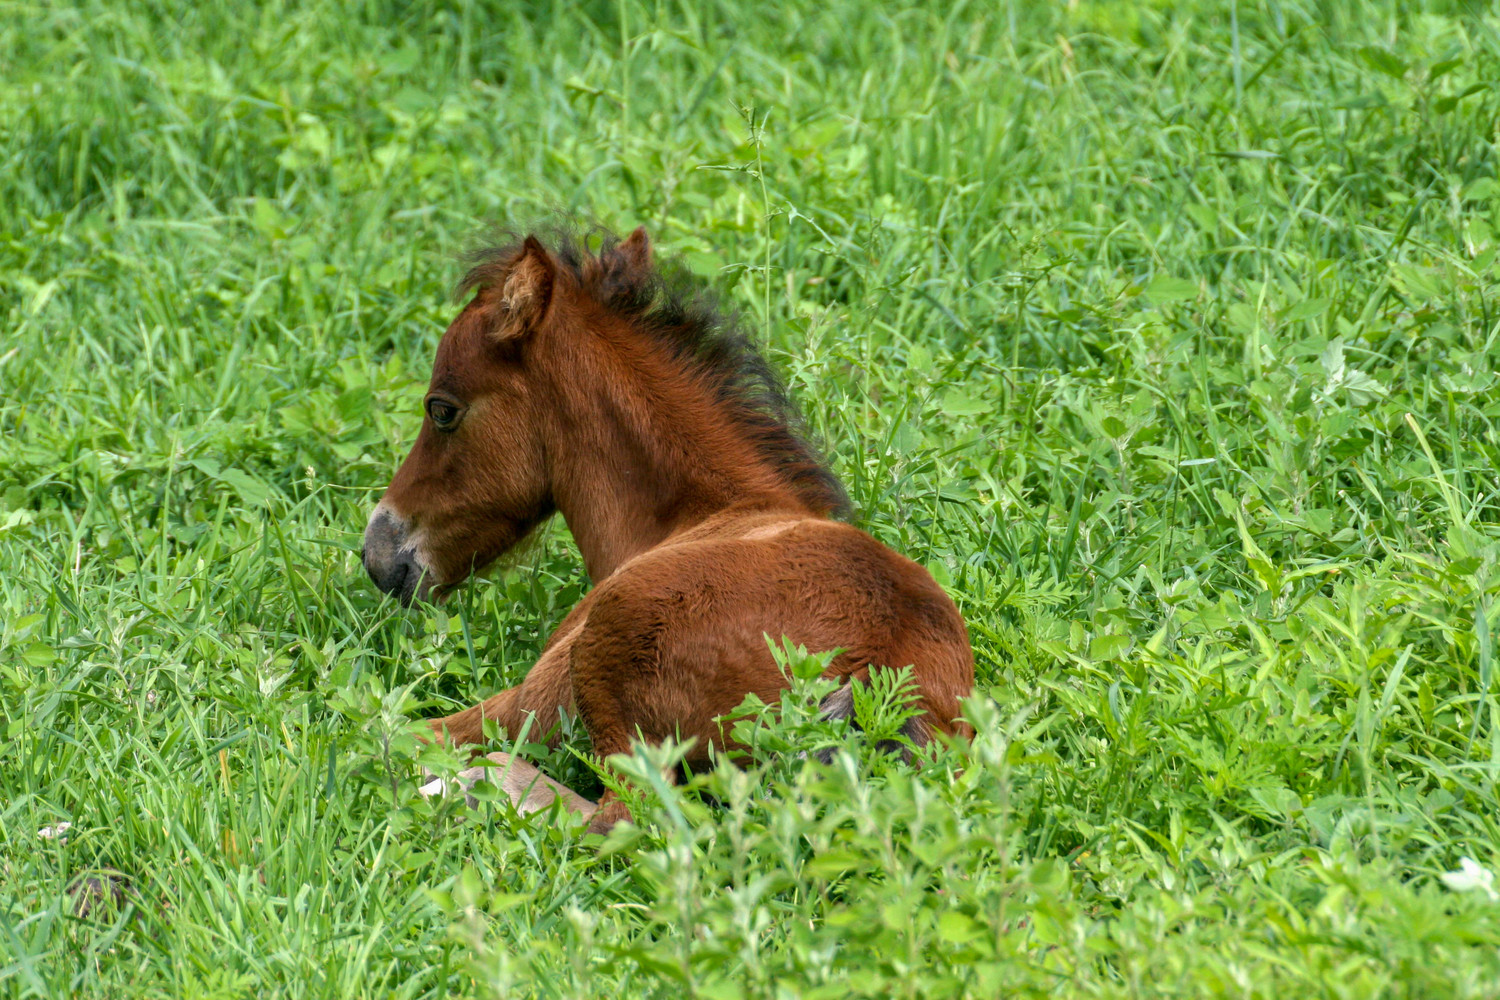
666 303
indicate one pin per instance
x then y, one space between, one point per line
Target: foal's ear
526 291
636 249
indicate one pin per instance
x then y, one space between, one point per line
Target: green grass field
1162 333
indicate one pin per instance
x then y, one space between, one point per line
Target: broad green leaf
961 403
1108 647
1484 189
958 927
834 863
1306 309
1383 61
39 654
1165 288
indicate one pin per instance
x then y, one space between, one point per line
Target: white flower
1471 875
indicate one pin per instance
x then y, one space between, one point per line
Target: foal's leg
632 681
546 691
528 789
598 662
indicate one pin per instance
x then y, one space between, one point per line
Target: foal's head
503 434
475 482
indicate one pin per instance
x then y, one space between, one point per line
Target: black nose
392 567
391 577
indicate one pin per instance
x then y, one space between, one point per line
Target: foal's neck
643 453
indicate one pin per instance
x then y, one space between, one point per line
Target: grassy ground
1161 332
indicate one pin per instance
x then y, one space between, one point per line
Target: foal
601 387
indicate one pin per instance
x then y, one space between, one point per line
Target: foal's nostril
391 576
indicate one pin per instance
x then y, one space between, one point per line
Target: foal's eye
444 414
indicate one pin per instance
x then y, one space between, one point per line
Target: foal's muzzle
391 558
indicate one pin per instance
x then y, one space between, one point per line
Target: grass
1162 333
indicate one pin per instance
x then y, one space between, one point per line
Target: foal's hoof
528 789
608 815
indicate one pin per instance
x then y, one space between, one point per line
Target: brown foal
598 385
